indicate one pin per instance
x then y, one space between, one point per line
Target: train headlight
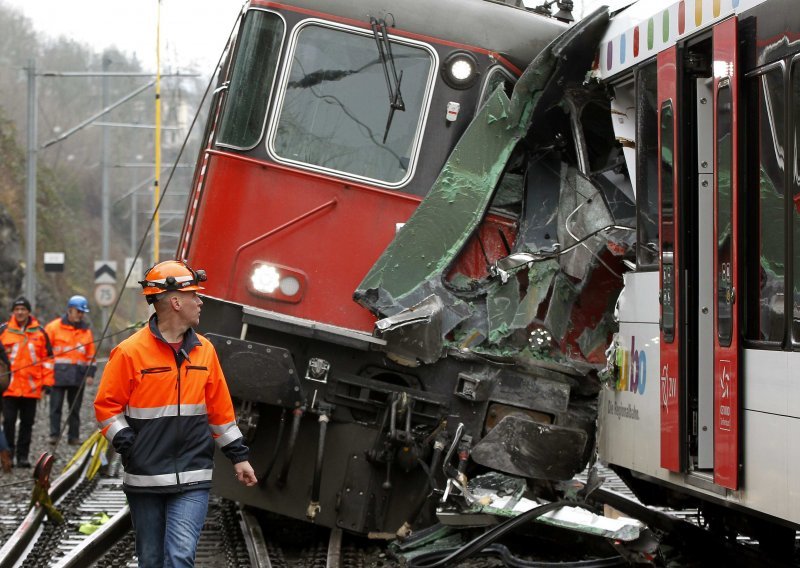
460 70
277 282
289 285
265 279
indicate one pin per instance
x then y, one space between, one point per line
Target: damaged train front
518 350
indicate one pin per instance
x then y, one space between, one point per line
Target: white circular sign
105 294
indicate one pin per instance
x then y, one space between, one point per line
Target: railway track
231 537
40 541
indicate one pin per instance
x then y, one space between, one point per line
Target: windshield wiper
387 60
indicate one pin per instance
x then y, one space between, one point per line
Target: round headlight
290 285
460 70
265 279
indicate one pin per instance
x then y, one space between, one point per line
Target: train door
725 269
672 407
698 273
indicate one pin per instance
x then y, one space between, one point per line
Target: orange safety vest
73 351
29 355
164 411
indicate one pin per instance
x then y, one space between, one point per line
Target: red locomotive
369 188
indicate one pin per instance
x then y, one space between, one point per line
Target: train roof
644 28
515 33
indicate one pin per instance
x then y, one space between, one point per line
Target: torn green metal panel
460 282
560 309
593 339
502 303
581 211
540 278
451 212
507 312
430 539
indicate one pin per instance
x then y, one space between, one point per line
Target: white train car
704 406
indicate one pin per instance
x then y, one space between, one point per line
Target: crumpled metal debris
413 267
499 495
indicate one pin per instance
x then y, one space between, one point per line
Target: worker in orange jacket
164 404
73 349
29 354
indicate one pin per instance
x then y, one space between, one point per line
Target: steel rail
254 540
97 544
20 540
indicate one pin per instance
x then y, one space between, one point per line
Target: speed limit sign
105 294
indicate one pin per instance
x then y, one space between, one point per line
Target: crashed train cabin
415 225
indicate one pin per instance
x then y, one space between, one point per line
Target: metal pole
30 238
134 221
134 243
105 205
156 188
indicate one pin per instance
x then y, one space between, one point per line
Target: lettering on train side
631 377
631 369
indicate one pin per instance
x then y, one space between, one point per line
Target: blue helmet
79 303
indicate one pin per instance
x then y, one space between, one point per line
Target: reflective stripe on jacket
163 411
73 350
29 355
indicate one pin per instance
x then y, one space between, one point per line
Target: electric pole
30 209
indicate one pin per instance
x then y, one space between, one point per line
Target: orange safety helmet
169 276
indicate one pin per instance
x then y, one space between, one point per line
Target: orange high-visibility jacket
163 411
29 356
73 351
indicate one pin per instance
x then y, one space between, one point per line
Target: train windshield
334 110
251 80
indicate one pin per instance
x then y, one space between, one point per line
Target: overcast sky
193 32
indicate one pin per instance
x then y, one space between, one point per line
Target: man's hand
46 389
89 381
245 474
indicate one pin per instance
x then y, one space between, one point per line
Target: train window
251 81
667 222
796 204
767 217
725 291
335 110
494 78
647 166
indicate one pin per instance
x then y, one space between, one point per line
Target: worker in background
29 354
163 403
73 351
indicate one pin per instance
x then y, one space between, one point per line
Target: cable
513 561
531 257
478 544
596 256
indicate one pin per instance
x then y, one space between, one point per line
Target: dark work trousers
74 400
25 409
